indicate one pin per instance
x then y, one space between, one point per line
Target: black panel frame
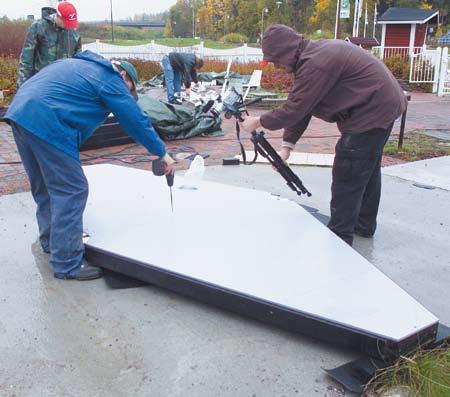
264 311
109 134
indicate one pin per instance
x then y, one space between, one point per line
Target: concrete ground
65 338
433 172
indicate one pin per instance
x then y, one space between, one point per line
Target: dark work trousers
356 186
60 190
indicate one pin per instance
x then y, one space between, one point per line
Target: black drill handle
159 169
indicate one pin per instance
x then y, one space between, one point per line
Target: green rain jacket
45 43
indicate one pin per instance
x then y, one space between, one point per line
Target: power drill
159 169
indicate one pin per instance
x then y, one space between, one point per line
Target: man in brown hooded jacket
339 82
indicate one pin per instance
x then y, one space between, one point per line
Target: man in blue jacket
51 115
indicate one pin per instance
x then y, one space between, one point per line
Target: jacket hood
47 11
283 45
90 56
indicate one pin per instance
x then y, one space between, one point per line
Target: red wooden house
404 30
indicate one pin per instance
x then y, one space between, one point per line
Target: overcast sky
88 10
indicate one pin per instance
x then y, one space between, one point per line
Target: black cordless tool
159 169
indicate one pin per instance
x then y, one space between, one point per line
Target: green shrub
321 34
102 31
423 373
277 81
12 36
146 69
8 77
235 38
399 67
212 65
272 79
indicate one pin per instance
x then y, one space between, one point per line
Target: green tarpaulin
179 122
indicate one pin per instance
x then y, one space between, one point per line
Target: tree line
214 19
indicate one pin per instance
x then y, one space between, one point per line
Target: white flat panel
246 241
434 172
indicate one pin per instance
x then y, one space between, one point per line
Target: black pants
356 186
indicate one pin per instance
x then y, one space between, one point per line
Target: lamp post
338 20
112 22
225 24
264 11
193 20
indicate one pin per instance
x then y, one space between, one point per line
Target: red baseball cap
263 63
68 14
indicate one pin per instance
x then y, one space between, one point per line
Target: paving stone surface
425 112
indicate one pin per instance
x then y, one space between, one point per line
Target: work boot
176 101
87 272
45 249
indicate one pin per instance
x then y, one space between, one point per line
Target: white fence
431 66
444 79
426 65
155 52
389 52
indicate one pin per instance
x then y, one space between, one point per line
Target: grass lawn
126 42
418 147
174 43
423 374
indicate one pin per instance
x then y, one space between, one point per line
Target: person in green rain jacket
50 38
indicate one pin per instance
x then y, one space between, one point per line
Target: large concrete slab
67 338
433 172
252 249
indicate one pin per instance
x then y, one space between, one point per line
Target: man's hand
285 153
250 123
169 163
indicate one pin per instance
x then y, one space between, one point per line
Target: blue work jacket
69 99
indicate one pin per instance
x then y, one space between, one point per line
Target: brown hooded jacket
335 81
